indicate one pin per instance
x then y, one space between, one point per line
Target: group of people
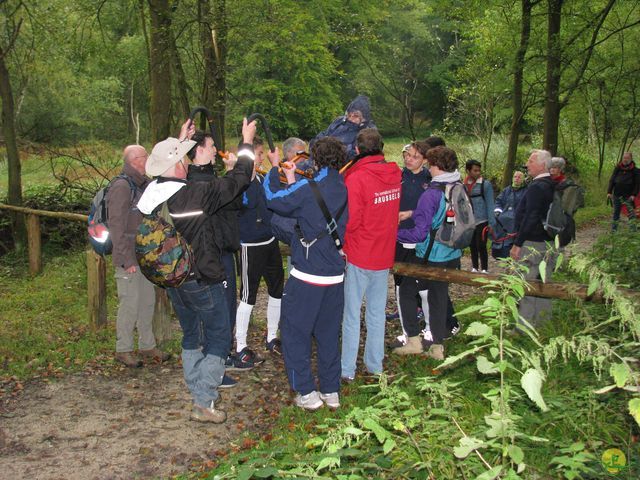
347 222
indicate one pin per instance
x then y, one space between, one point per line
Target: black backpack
558 222
97 227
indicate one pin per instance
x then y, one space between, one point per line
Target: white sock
424 294
273 317
243 315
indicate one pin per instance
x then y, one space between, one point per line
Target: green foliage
618 253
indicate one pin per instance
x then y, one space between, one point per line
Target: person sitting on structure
346 127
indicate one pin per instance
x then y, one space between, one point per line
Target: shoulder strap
332 225
432 233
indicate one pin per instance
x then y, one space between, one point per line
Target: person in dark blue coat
346 127
505 214
313 299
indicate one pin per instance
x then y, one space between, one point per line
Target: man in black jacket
531 241
624 186
200 301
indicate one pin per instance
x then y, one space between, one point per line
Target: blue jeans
202 308
371 284
618 201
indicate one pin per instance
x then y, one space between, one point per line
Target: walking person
624 186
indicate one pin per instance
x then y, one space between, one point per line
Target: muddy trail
109 422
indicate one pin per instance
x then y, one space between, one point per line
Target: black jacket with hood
192 204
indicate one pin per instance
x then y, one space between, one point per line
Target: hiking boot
310 401
244 360
208 414
228 382
155 354
129 359
436 352
413 347
331 400
274 346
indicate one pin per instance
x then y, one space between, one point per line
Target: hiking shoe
155 354
129 359
243 360
393 315
420 314
347 380
310 401
274 346
227 382
436 352
412 347
331 400
208 414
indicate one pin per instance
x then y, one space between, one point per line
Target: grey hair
291 146
558 162
543 156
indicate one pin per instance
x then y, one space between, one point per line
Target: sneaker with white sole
228 382
331 400
310 401
474 270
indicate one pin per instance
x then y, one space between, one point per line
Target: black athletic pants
479 248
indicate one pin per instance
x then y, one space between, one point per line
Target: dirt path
114 423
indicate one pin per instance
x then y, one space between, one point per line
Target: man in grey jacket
136 295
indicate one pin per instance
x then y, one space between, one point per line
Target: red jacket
373 188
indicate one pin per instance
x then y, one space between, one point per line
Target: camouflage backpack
164 256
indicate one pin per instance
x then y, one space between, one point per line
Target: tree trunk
182 87
552 93
518 74
13 157
213 34
160 69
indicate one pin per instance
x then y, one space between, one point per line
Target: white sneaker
427 335
310 401
331 400
473 270
486 272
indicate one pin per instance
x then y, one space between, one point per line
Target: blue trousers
311 311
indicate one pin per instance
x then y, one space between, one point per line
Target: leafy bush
618 254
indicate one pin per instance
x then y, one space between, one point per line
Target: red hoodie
373 188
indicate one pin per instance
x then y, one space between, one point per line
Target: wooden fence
96 275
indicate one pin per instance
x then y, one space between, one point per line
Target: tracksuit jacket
373 186
413 185
322 258
255 218
191 203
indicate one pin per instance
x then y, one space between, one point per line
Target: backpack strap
432 233
332 225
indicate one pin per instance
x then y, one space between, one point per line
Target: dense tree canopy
90 69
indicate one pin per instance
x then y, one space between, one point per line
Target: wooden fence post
96 289
162 317
34 241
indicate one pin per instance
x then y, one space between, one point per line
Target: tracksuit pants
309 312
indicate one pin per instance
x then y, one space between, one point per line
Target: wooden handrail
535 288
76 217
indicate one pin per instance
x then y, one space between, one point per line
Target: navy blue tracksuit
313 299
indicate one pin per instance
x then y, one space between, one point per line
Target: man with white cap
199 302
